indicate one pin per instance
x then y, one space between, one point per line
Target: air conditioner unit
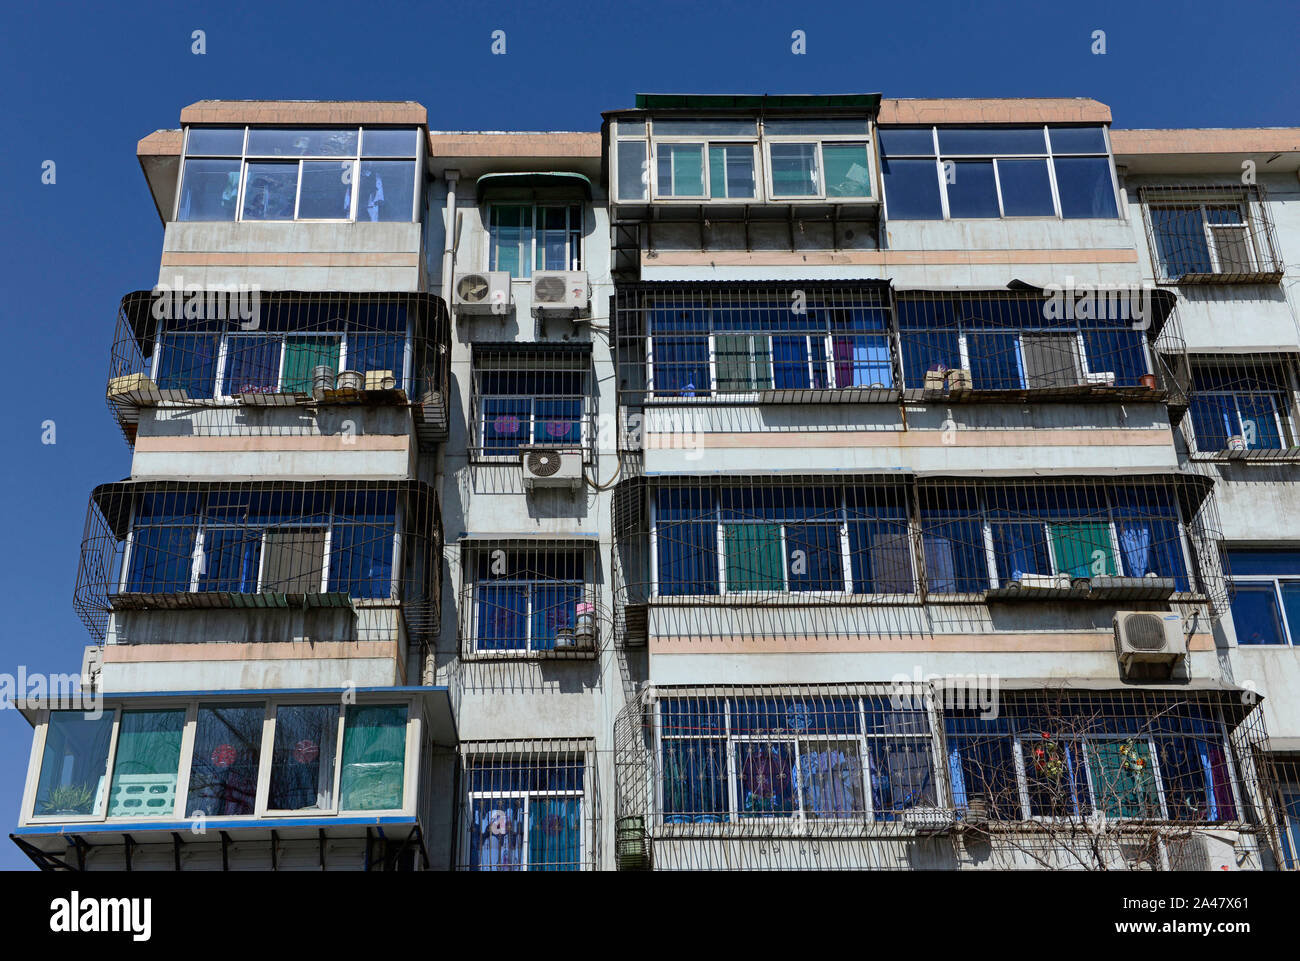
1205 851
1148 637
560 291
483 293
551 467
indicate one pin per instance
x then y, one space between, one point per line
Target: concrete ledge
994 110
305 111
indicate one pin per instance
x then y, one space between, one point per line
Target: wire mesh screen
231 352
1243 407
786 555
748 343
530 805
313 545
1026 771
1211 233
534 395
537 598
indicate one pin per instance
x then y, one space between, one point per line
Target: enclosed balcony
226 361
1211 234
910 776
326 779
338 568
793 563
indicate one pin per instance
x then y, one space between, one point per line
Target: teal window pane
1291 605
794 169
555 834
847 170
510 233
147 764
754 557
374 758
681 169
731 171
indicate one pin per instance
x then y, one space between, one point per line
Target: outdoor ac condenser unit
482 293
560 291
1148 637
550 467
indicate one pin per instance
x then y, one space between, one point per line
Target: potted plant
68 799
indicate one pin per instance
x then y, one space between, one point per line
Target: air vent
543 463
550 290
1146 632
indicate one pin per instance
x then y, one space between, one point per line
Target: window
246 542
1266 595
976 538
1044 757
373 767
146 764
527 398
323 759
525 813
224 765
1241 405
524 599
522 238
1209 233
303 757
1013 342
281 350
933 173
367 175
804 539
74 765
711 343
815 759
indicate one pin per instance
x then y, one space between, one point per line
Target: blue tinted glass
361 559
1280 563
972 191
252 365
991 140
688 558
1077 140
906 141
1026 188
389 143
995 361
681 366
813 557
1085 187
912 189
1255 614
502 617
1180 241
230 560
506 423
161 559
1020 549
188 362
377 352
215 142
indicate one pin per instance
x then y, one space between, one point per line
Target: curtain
554 606
1021 549
955 559
695 781
374 758
554 834
1223 805
957 775
753 557
1083 548
1135 543
498 834
302 355
830 780
765 779
502 613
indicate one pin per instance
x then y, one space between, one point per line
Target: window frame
575 237
1274 582
527 796
587 590
413 734
1048 157
357 158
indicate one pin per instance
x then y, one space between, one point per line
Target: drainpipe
449 243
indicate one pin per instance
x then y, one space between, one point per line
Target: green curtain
374 758
1079 547
148 760
1123 781
304 354
754 557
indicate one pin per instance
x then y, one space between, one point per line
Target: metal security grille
531 805
837 776
769 556
342 545
1243 407
1210 233
531 396
742 344
235 353
1285 807
531 598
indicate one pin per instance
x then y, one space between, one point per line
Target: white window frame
575 251
586 588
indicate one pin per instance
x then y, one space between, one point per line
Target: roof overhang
1271 149
533 183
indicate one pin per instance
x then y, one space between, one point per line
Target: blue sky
82 86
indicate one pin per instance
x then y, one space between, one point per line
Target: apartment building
758 482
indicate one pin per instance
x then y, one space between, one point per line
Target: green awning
534 180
